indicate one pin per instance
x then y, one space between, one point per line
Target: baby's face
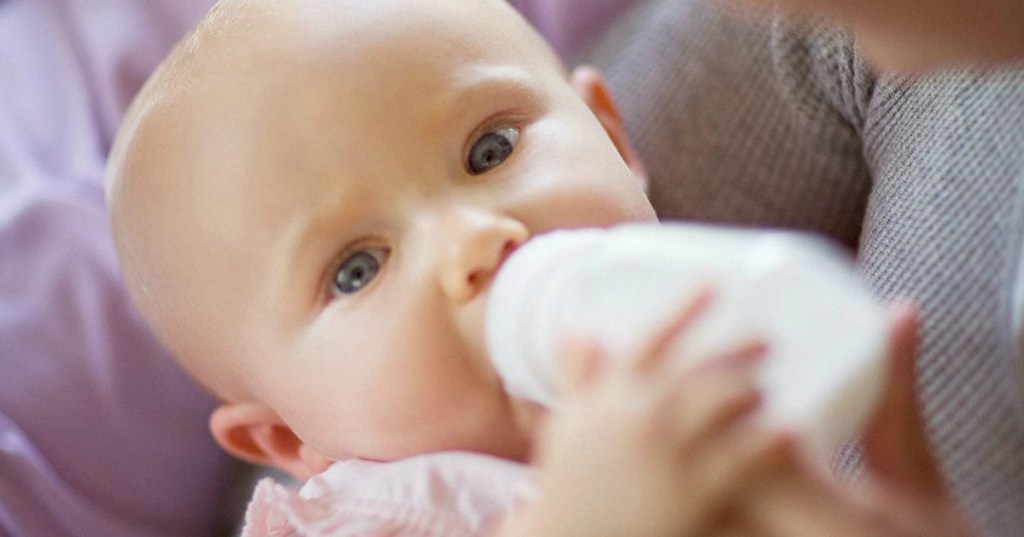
345 189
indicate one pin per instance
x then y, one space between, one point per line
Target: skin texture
284 138
915 36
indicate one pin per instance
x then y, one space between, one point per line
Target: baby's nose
478 245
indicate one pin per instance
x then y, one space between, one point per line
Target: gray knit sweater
760 120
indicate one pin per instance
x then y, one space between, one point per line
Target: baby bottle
825 333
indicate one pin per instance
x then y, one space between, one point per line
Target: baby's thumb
895 442
580 364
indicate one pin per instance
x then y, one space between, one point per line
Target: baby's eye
359 269
492 149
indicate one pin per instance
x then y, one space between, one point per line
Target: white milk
825 332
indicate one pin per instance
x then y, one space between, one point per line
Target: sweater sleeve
773 121
747 119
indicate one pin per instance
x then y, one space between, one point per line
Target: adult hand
904 481
903 493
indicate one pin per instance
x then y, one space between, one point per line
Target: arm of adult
765 119
737 117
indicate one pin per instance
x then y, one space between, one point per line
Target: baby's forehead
278 77
258 104
314 29
276 74
284 54
260 80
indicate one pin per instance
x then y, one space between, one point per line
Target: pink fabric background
100 433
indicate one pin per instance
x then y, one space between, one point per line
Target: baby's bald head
207 157
310 199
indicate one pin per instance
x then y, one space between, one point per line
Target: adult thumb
895 442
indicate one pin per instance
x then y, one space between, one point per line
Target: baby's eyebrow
484 80
309 245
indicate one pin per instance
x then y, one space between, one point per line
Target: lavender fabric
570 25
100 433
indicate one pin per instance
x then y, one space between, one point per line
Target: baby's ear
590 85
255 433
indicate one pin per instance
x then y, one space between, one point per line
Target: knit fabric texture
762 120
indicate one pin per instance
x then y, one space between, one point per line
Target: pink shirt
451 494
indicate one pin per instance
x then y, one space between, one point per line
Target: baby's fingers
581 364
654 351
716 393
584 360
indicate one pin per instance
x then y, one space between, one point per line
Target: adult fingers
802 504
731 525
895 442
728 464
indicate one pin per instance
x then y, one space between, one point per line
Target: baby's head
310 199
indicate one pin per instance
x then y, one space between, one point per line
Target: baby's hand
639 447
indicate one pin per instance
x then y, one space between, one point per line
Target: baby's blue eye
358 270
492 149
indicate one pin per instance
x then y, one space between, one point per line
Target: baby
310 200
